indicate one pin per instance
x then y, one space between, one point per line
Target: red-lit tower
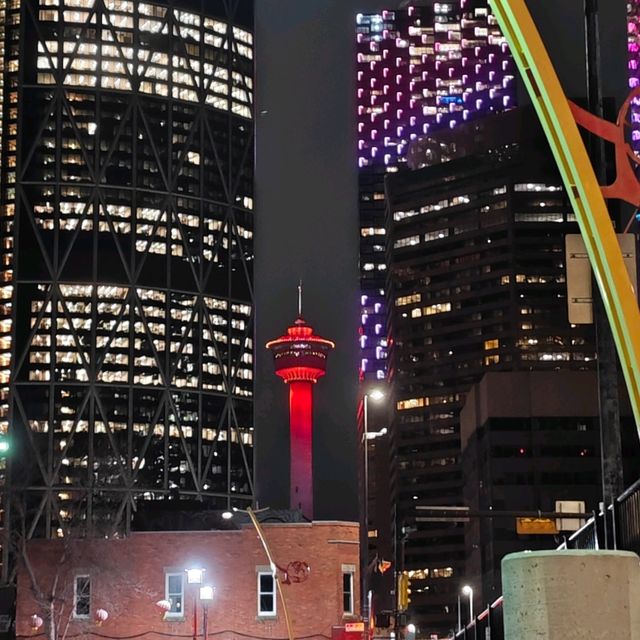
300 359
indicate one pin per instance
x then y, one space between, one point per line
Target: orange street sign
538 526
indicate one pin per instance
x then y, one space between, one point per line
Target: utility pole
610 441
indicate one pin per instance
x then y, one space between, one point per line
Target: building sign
537 526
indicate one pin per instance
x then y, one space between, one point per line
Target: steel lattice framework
126 282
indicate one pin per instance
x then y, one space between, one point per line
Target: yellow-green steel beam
581 185
272 564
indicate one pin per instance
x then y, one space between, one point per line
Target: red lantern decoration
36 622
100 616
164 606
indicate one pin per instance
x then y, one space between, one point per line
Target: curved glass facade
127 220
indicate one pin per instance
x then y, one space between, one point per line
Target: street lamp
195 576
376 395
468 591
206 596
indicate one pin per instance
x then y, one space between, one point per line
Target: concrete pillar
571 595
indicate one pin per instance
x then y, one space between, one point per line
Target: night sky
306 221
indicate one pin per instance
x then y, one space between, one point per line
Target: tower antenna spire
300 298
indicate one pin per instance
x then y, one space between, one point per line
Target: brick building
128 577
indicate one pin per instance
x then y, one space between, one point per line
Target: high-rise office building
476 284
126 208
431 66
531 439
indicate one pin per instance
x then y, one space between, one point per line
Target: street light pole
195 576
206 596
365 518
468 591
375 395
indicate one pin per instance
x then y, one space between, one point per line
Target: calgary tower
300 359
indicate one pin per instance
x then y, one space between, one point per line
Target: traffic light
5 445
404 591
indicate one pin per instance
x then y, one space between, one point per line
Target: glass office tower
127 231
429 66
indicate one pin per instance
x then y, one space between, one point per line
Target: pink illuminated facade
300 359
633 42
419 69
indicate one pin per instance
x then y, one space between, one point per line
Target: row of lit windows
154 88
116 60
534 279
174 431
416 403
75 209
432 309
410 299
450 202
76 213
152 17
437 572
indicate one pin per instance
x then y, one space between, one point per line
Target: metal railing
615 528
486 625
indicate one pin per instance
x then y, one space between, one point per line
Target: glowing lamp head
206 592
195 575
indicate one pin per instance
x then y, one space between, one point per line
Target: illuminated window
436 308
411 403
410 299
442 572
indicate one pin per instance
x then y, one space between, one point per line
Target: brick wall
127 579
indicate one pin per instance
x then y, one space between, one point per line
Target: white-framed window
81 596
266 593
348 593
174 593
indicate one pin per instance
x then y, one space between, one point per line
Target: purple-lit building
633 40
419 69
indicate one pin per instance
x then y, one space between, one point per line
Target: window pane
266 583
266 603
347 588
175 584
266 593
83 596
